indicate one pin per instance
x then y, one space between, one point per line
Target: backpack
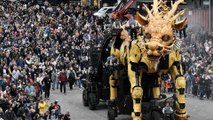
71 75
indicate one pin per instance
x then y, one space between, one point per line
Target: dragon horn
174 7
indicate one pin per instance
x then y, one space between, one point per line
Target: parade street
72 101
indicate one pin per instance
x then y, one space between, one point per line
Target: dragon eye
166 38
148 36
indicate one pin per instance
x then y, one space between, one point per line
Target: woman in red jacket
63 80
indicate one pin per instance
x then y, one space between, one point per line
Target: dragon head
159 27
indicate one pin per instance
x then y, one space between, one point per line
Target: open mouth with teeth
152 57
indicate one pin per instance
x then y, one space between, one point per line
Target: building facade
198 12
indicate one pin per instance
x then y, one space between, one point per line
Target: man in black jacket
72 76
46 82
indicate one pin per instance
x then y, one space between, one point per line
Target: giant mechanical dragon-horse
153 53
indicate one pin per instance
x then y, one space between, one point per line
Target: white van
104 11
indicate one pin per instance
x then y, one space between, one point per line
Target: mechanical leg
156 89
137 93
113 86
135 78
180 84
112 109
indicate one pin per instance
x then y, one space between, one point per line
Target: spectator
53 79
188 83
63 80
30 90
57 108
15 74
2 116
10 115
72 77
167 111
46 82
67 116
52 115
43 105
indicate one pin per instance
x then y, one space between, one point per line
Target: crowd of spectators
42 47
198 63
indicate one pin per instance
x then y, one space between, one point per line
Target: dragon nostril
160 48
147 47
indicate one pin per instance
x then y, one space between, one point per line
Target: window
109 11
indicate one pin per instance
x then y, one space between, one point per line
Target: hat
56 100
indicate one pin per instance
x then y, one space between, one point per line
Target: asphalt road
72 102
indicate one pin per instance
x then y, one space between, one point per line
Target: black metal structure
96 85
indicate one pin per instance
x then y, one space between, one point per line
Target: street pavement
72 102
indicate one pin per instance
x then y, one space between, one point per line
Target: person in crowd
28 113
57 108
202 83
117 24
42 106
188 83
164 77
2 115
195 86
57 78
10 114
67 116
79 76
168 82
53 79
37 87
168 112
15 74
72 78
46 82
63 80
132 24
52 115
30 90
